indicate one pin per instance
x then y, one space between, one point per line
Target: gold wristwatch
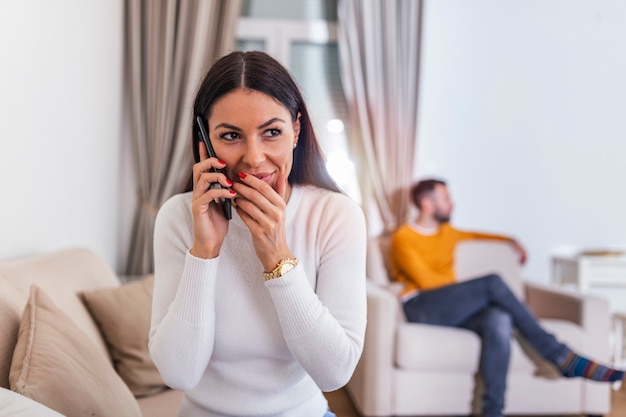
284 265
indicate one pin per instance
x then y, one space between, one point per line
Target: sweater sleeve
183 307
468 235
324 327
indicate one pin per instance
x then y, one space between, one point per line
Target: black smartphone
204 137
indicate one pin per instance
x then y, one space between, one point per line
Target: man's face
442 204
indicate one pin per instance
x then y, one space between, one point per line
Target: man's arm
521 252
523 255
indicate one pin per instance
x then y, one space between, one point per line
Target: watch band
284 265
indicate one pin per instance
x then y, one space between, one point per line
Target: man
422 258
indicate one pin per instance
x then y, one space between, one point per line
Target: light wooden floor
341 405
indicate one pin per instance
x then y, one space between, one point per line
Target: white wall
523 110
520 109
60 113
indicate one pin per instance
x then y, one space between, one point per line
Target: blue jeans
488 307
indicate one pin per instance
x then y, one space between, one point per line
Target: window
308 48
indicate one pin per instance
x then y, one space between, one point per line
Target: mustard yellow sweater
425 262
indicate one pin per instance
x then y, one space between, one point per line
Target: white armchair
410 369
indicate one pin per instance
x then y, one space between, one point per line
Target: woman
258 315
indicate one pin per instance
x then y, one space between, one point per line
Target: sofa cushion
10 311
123 316
165 404
56 364
61 274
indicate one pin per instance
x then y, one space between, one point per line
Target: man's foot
577 366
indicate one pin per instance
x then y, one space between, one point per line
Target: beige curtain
379 45
169 46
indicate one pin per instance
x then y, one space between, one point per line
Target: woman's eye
230 136
273 132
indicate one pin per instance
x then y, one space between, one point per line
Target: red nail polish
242 175
232 192
229 182
221 162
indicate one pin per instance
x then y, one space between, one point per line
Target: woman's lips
263 176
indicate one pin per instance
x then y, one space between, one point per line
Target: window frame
279 34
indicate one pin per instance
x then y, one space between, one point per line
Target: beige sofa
72 339
416 369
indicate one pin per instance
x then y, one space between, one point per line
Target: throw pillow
54 363
123 316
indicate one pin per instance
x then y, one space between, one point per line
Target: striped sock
575 365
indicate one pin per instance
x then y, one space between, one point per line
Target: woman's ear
296 130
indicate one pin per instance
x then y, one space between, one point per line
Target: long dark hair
258 71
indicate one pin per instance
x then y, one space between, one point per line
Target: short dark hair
255 70
423 189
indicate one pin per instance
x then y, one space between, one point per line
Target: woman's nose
253 154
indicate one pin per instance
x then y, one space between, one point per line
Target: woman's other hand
263 210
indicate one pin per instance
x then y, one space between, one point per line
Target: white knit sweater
239 346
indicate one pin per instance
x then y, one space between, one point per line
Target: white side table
589 271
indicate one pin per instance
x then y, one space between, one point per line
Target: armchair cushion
426 347
476 258
429 348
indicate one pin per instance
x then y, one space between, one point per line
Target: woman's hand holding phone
264 212
210 224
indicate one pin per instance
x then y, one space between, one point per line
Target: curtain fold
379 48
170 44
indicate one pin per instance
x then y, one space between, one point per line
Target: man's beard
442 218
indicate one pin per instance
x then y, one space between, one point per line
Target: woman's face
254 134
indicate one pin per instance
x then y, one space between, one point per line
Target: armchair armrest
588 311
372 382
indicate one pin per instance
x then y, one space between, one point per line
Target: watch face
286 268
